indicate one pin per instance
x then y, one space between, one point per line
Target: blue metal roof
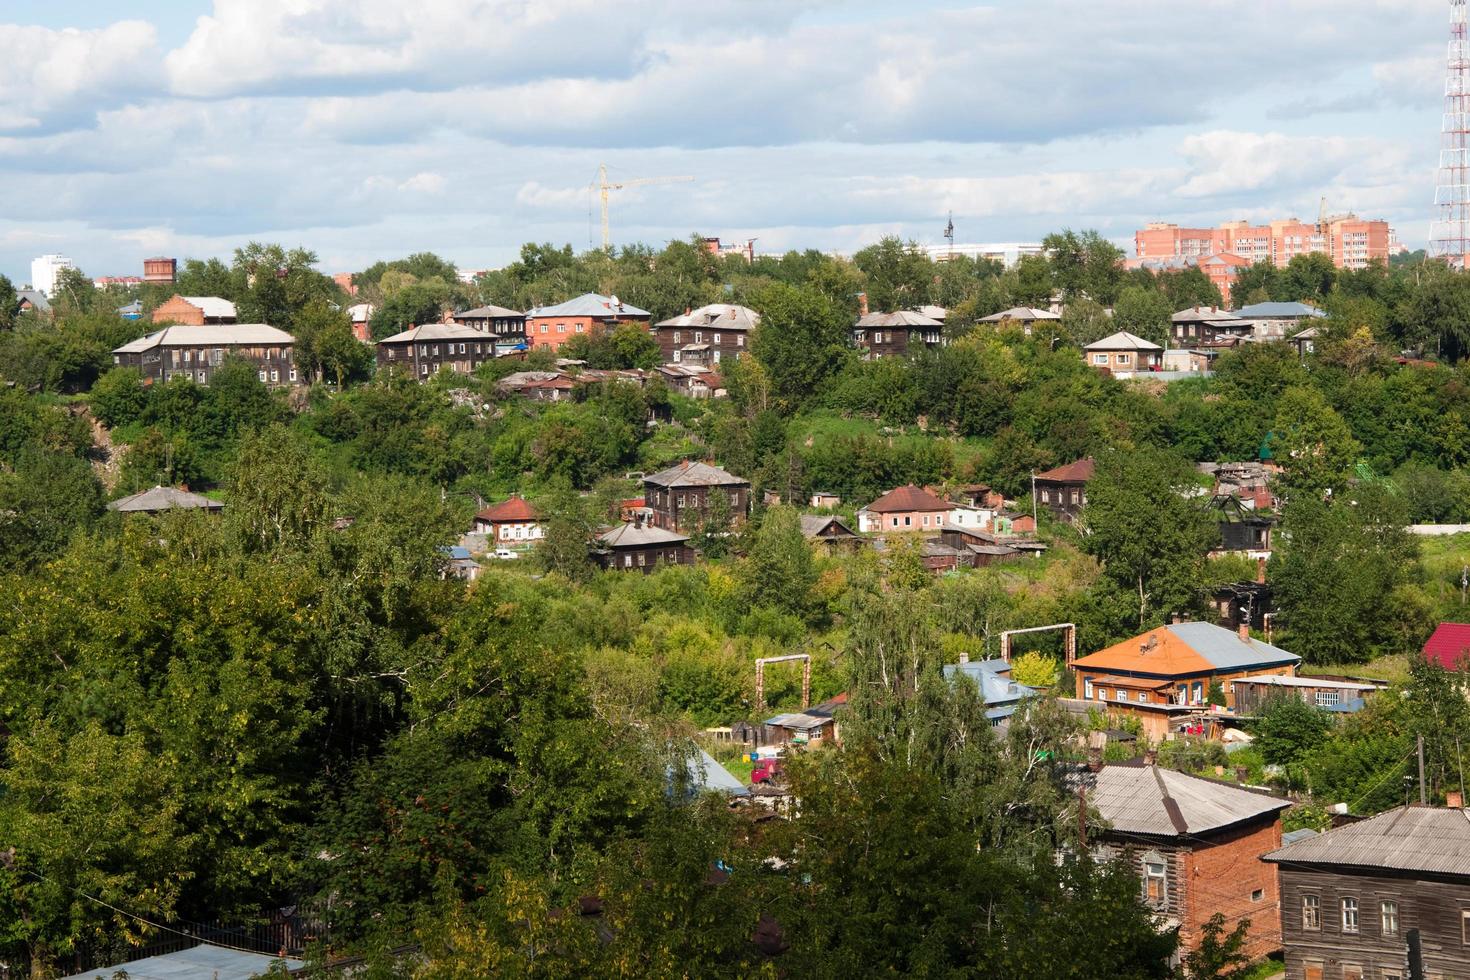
1002 695
455 552
1264 311
1226 650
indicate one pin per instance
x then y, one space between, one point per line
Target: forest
204 718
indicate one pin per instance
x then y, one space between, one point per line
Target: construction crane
604 186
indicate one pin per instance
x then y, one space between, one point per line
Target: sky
372 129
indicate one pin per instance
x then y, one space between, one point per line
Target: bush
1034 670
1192 755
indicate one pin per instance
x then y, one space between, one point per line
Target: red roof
906 500
514 509
1449 645
1078 472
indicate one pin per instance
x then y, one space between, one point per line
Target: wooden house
830 530
707 336
420 352
1124 354
641 547
196 352
512 523
1063 490
1252 694
895 334
1196 846
679 497
1350 895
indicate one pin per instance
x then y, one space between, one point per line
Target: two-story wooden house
1163 677
679 497
895 334
506 327
1063 490
1350 895
707 336
420 352
195 352
1206 326
1196 846
640 547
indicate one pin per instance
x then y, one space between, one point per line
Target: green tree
569 531
1313 445
9 303
1085 264
1144 524
119 397
802 341
780 571
1144 312
1289 728
1219 956
43 500
1034 670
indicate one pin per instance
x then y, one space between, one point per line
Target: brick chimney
862 304
1260 571
1244 629
1454 799
1150 757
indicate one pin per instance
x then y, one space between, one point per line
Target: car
767 771
505 554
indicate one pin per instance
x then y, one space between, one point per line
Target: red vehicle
767 771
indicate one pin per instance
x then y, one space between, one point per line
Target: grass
1265 969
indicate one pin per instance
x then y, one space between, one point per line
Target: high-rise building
45 269
1348 240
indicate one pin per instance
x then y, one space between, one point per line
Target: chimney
1244 629
1454 799
1260 571
1094 759
862 304
1150 757
964 657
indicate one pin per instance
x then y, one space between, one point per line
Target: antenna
1449 237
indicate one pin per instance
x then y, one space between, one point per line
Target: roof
903 318
437 331
208 335
813 525
693 474
488 312
1311 333
1433 840
1022 313
1448 644
1123 340
455 552
590 304
906 499
1277 311
1077 472
707 774
216 962
993 677
1202 314
163 498
721 316
1292 836
932 312
639 535
212 306
1187 648
1164 803
360 312
1281 680
513 509
35 297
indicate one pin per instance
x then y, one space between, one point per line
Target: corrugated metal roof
693 474
1267 311
908 499
1165 803
1449 645
437 331
486 312
1000 692
215 962
1225 649
639 535
590 304
35 297
163 498
1021 314
1281 680
903 318
814 524
1079 471
208 335
1203 314
1123 340
212 306
720 316
1292 836
1434 840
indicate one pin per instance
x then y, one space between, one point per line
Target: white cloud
50 78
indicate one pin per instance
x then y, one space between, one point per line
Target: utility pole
1423 798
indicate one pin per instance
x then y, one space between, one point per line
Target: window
895 522
676 336
698 337
187 355
1328 698
436 350
627 561
579 328
717 338
907 521
740 340
262 375
561 328
1100 360
1389 914
423 369
926 520
543 328
1258 894
1125 359
1155 881
1465 927
1311 912
1351 971
293 374
275 376
939 519
1087 688
1197 692
461 348
1046 496
1349 915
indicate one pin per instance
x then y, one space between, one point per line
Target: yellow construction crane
605 187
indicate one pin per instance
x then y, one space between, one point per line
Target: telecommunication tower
1449 238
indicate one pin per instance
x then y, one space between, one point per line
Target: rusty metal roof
1410 838
1162 802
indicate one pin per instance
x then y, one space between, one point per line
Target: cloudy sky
368 129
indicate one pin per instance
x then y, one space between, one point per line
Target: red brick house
552 326
510 523
1196 846
195 311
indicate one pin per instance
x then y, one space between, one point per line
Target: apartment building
1350 241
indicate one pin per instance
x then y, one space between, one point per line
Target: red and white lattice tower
1450 235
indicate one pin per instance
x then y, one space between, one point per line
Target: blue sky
369 129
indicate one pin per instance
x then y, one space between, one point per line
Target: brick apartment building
1350 241
552 326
